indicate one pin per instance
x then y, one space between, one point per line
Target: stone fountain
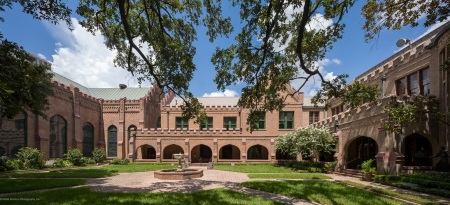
180 173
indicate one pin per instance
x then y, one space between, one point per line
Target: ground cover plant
417 182
85 196
138 167
62 173
17 185
289 176
304 165
323 192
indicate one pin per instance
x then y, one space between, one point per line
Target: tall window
424 82
313 117
336 110
401 86
58 137
413 87
88 139
181 123
207 124
158 122
286 120
112 141
229 123
261 124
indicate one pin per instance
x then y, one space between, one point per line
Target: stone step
350 173
199 164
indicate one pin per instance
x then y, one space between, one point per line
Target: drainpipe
383 80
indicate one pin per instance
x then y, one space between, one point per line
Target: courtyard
241 184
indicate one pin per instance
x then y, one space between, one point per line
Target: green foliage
14 165
74 156
87 160
308 166
309 141
120 161
58 163
402 113
3 161
31 158
99 155
18 185
366 167
289 176
24 84
154 39
434 187
393 14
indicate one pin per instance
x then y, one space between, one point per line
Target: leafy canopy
308 141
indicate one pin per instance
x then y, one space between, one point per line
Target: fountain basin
174 174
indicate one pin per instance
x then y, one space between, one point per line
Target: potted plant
329 167
367 170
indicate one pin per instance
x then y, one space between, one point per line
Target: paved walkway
212 179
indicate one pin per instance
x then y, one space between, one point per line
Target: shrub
99 155
74 156
366 167
120 161
3 161
14 164
67 163
31 158
87 160
58 163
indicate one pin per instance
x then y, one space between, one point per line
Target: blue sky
83 58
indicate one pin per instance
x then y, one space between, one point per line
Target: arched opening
58 136
172 149
201 154
284 156
147 152
15 150
258 152
112 141
88 139
130 128
13 133
360 150
229 152
417 150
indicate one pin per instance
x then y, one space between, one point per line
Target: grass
289 176
407 197
137 167
254 168
85 196
17 185
323 192
65 173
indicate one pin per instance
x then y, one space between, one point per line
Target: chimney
122 86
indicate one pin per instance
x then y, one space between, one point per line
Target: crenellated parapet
111 106
62 91
166 132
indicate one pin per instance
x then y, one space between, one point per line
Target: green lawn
138 167
65 173
17 185
85 196
254 168
289 176
323 192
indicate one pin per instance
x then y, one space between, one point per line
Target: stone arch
229 151
146 151
258 152
360 149
58 136
88 139
201 154
169 150
112 141
417 150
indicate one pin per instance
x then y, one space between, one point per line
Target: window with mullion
229 123
424 82
261 124
401 86
413 84
207 124
286 120
182 123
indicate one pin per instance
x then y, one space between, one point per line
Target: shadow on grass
66 173
85 196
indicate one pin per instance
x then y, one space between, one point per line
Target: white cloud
83 58
226 93
42 56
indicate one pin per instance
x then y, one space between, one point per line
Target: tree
308 141
154 39
24 84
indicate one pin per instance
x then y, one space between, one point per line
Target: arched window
88 139
131 127
112 141
58 136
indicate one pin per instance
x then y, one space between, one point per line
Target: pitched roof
104 93
209 101
308 104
